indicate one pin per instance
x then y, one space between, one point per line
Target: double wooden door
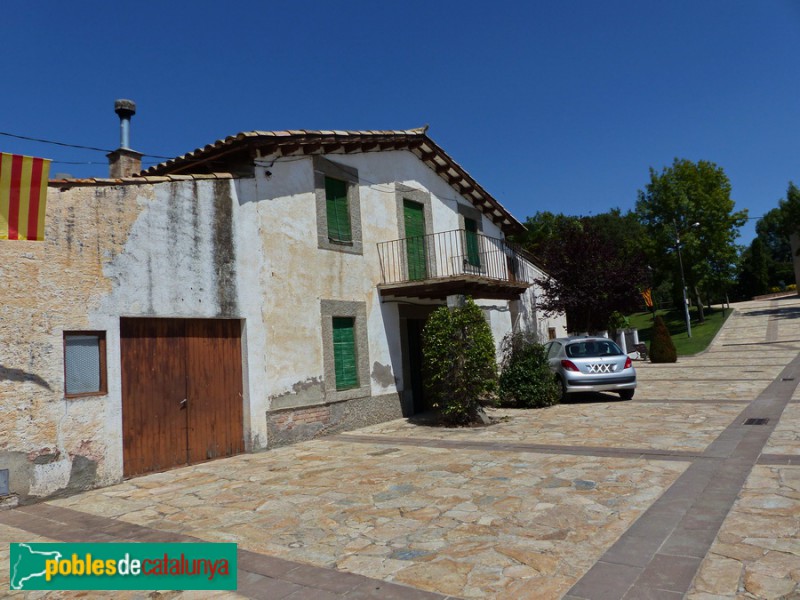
181 392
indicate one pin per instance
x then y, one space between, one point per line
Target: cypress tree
662 350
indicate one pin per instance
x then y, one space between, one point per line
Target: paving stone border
259 576
660 554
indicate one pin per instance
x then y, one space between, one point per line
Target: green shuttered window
338 210
414 214
344 353
473 250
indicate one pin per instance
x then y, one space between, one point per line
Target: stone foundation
291 425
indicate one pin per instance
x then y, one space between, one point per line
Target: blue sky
560 106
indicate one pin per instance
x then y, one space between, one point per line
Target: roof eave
308 142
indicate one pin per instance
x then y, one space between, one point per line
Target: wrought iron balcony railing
450 254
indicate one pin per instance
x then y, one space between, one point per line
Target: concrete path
670 495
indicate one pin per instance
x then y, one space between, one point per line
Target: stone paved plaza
669 495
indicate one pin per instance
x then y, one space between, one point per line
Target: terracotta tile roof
240 149
134 179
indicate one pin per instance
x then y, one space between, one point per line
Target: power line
66 145
33 139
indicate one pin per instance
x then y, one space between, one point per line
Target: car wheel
626 394
563 387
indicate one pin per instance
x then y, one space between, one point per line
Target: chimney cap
124 108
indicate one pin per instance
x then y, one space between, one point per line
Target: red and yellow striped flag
648 297
23 196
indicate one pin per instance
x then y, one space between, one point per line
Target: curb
716 336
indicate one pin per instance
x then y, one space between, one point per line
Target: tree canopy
768 262
754 272
591 269
790 208
690 203
773 231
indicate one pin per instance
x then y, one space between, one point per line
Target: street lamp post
683 280
683 285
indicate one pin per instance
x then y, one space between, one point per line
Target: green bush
526 381
617 322
460 363
791 287
662 350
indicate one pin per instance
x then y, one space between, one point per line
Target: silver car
591 364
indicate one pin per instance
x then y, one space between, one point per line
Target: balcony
438 265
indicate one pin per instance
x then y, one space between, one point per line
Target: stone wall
50 444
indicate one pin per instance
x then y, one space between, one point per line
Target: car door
553 350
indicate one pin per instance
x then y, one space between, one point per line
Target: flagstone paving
613 423
471 523
757 551
599 498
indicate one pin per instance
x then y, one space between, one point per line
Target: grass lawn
702 334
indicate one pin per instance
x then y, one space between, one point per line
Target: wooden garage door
181 392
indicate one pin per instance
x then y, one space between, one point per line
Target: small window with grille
84 363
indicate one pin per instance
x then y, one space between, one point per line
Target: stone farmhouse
267 288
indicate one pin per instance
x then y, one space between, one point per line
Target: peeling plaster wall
245 249
56 285
166 250
300 275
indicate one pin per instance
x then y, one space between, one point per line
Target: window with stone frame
338 206
85 363
345 349
344 353
338 210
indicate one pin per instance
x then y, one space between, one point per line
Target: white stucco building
268 288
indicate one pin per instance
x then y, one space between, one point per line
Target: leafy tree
754 273
774 251
541 230
460 362
672 202
622 230
790 208
589 274
526 380
772 230
662 349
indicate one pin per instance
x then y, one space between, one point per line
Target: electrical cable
66 145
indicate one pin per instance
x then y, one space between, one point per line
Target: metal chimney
125 109
124 162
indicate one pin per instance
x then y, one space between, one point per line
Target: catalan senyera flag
648 297
23 196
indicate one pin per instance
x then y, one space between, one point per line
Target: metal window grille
82 363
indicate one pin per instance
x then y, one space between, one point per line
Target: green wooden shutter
414 214
338 210
344 353
473 249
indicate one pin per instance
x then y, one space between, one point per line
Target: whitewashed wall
244 249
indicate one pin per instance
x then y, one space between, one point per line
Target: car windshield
593 349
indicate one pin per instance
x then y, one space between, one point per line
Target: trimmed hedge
662 350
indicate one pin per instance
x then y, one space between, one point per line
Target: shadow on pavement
592 398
